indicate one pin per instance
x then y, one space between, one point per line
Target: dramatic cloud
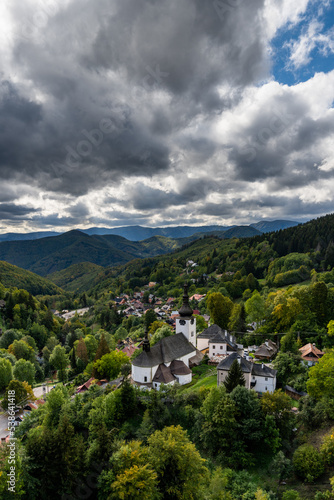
151 112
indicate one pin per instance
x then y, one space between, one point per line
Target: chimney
262 366
267 344
239 360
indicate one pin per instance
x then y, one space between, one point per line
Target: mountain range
138 233
48 255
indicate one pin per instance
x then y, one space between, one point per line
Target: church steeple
185 310
146 343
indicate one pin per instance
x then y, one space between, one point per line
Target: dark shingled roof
247 366
226 363
221 338
266 351
163 375
264 371
165 351
210 332
177 367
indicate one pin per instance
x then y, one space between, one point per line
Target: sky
165 112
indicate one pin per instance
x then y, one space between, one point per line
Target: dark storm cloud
10 211
182 47
108 91
79 210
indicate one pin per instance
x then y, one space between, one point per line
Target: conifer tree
73 359
234 377
102 349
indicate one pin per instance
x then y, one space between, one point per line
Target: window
221 347
145 379
266 389
253 378
192 334
156 385
213 347
266 379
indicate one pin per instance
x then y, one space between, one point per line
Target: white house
219 342
168 360
259 377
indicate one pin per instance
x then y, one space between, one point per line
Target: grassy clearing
203 376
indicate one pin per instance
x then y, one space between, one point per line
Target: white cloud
301 49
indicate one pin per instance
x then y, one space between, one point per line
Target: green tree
81 351
255 308
139 482
6 373
181 470
54 403
24 371
130 477
234 377
8 337
161 333
22 350
150 317
102 349
291 495
278 405
308 463
59 360
237 321
110 364
23 391
289 366
201 324
220 308
321 377
217 423
289 343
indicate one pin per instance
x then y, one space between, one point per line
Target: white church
169 359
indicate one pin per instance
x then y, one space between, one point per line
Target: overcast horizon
165 113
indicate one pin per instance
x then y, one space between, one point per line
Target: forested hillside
13 276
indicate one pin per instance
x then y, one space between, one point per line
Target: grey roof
226 363
259 370
196 359
291 389
211 332
163 375
266 351
263 371
165 351
177 367
221 338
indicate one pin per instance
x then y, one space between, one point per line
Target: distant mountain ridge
53 254
275 225
139 233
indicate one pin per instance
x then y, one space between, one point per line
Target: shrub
327 448
308 462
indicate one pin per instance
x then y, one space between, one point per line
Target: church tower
185 322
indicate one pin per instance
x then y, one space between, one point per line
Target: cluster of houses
170 360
